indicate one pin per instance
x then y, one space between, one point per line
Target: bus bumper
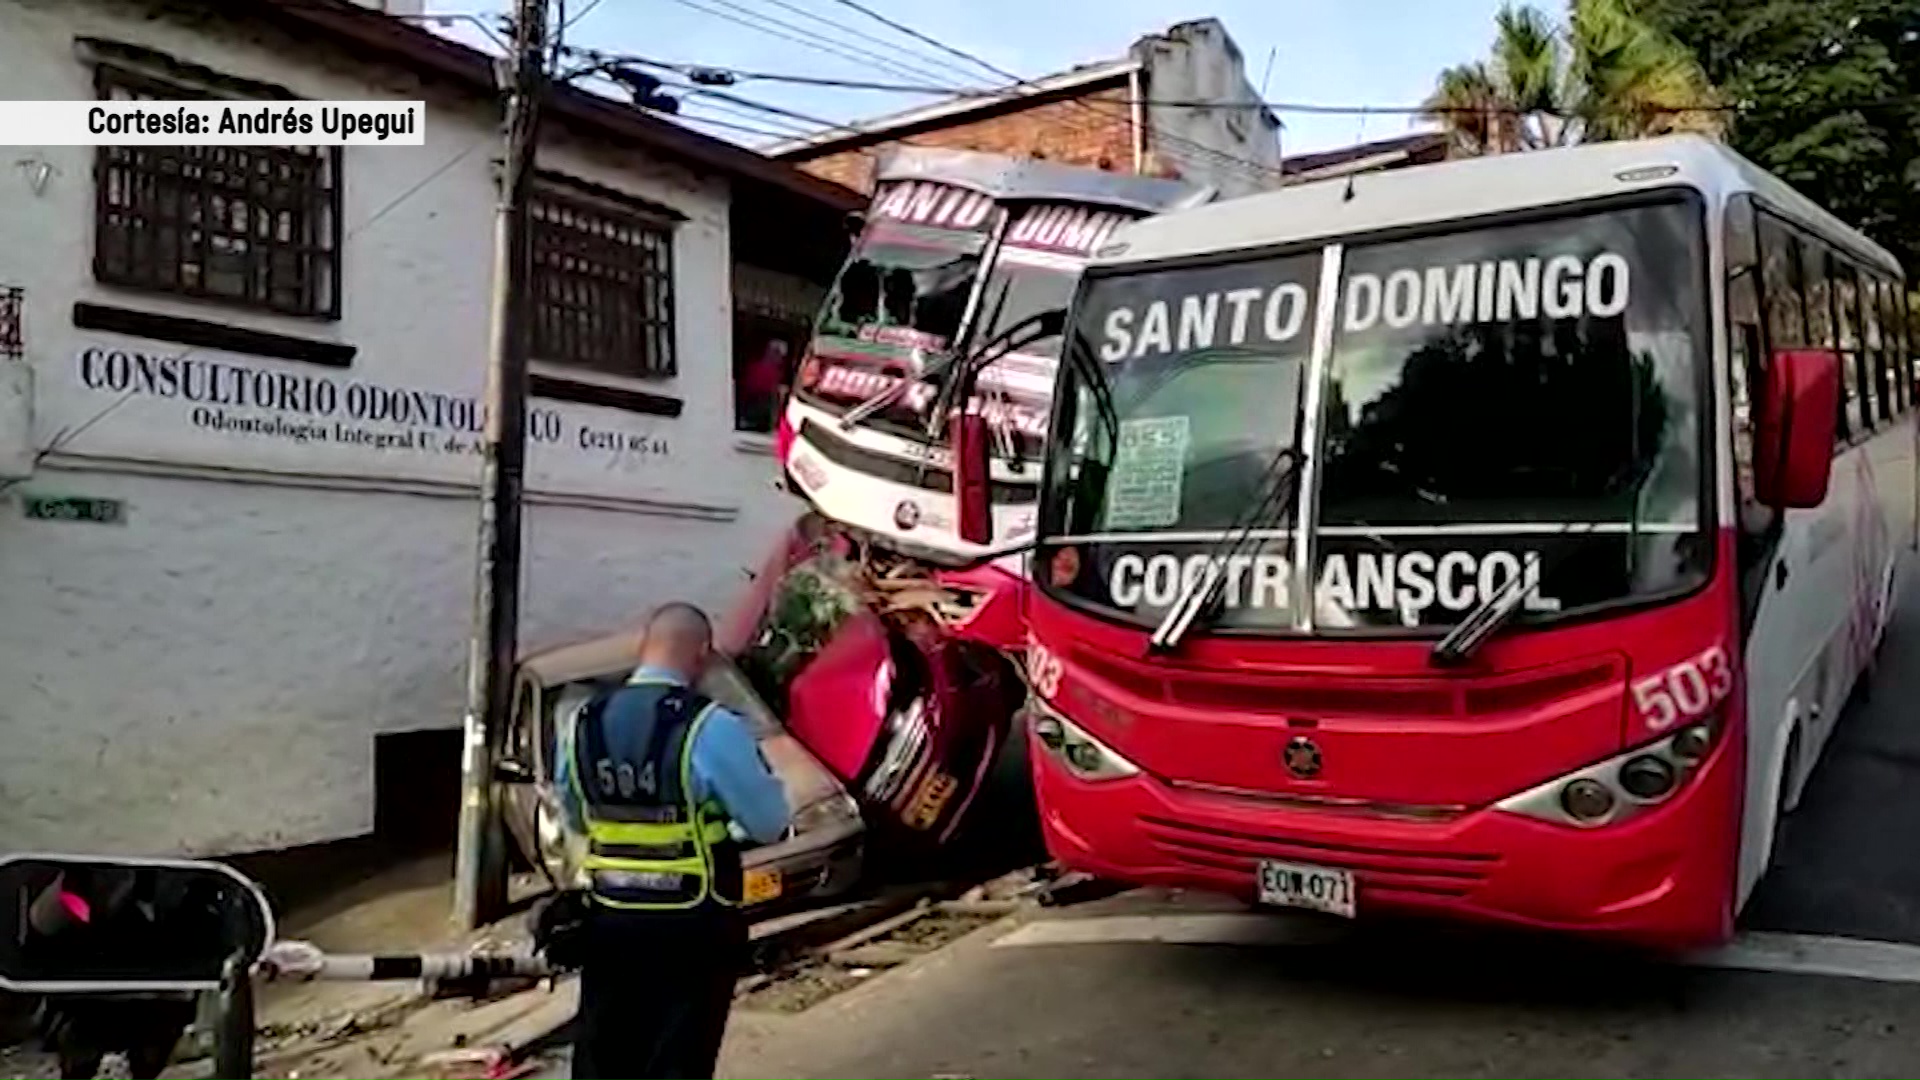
1663 879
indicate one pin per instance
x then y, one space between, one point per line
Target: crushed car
851 645
820 856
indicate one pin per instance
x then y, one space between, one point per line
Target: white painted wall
1234 147
208 676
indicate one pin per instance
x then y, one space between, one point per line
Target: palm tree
1605 75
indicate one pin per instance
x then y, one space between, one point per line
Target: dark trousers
655 991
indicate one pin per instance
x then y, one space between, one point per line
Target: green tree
1605 74
1826 95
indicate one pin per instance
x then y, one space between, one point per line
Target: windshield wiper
1494 612
1482 622
1014 338
1278 485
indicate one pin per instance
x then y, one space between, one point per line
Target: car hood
807 781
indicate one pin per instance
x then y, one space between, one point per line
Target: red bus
1496 540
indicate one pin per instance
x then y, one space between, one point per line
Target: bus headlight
1622 786
1082 755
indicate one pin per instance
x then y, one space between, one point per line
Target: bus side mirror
92 924
972 478
1793 439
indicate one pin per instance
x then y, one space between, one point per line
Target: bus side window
1846 303
1909 349
1746 337
1893 327
1896 344
1876 346
1780 257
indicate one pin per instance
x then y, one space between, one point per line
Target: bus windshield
1523 398
1020 385
894 312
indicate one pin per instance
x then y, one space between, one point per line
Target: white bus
1497 539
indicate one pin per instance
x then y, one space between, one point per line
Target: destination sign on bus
1275 313
1064 228
917 202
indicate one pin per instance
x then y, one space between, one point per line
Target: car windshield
1514 399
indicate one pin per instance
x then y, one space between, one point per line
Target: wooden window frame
165 216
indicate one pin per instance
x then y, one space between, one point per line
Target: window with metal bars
602 284
254 226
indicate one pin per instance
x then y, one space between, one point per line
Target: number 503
1684 691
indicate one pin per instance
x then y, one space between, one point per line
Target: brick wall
1093 130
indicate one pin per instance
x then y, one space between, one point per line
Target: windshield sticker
1405 585
1076 230
1563 287
1206 321
922 203
1148 462
848 381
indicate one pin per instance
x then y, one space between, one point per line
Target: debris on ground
846 963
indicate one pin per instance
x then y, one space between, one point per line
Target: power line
1005 93
709 75
800 36
813 124
731 126
918 36
935 65
1164 136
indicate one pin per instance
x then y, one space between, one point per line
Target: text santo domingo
1556 287
271 120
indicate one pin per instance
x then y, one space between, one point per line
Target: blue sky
1360 52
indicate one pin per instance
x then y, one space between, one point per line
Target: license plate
930 800
761 886
1316 888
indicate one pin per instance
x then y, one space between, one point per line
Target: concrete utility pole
480 872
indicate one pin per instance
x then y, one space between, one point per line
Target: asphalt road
1382 1006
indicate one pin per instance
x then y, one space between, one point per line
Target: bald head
679 638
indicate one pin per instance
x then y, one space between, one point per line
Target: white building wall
1235 146
208 676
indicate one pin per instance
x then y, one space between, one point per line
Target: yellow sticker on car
930 800
761 886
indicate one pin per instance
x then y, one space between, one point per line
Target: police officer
664 784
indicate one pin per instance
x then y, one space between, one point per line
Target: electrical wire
729 125
1012 92
934 64
809 123
918 36
1214 154
800 36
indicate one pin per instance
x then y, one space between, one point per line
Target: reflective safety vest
651 843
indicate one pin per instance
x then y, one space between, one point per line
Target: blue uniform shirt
727 765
